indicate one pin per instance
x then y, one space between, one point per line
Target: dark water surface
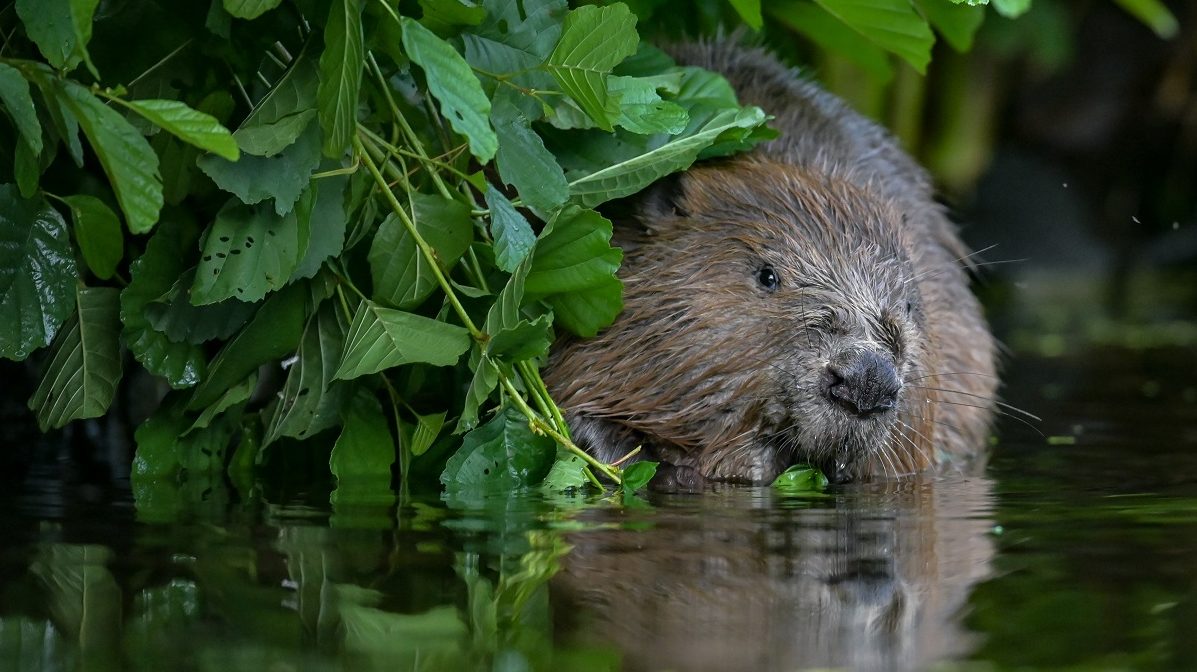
1077 550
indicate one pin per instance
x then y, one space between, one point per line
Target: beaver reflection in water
804 303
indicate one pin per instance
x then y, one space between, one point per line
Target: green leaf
311 400
173 314
283 114
14 93
567 473
190 126
573 269
632 174
957 23
524 162
381 338
1011 9
321 211
340 75
637 475
454 85
37 273
273 333
128 160
514 40
98 231
892 25
79 380
1154 14
501 456
486 378
426 431
153 275
270 139
61 30
235 396
365 447
249 9
593 41
526 339
831 35
800 479
282 177
401 274
750 11
442 16
512 234
641 108
26 168
249 252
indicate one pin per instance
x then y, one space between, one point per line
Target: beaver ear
665 198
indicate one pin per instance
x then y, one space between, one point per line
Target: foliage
391 203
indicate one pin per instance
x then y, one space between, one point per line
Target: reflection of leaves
83 595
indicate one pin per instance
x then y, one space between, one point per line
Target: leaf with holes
79 380
181 321
501 456
250 251
37 273
381 338
311 400
593 41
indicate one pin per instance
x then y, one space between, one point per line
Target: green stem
540 425
412 139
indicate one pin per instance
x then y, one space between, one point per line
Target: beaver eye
768 278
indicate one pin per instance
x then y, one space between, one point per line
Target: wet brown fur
708 369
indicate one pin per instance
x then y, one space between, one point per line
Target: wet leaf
128 160
454 85
566 473
593 41
311 399
636 476
800 479
61 30
512 234
98 232
281 177
381 338
14 93
893 26
273 332
153 275
37 273
402 276
365 447
190 126
573 270
500 456
79 380
340 75
249 252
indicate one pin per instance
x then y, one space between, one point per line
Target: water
1076 549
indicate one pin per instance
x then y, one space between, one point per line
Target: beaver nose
863 382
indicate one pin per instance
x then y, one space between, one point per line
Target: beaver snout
862 383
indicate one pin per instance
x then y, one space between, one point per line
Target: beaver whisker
978 396
952 373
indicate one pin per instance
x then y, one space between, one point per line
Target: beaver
807 302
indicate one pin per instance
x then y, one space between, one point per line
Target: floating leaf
37 273
893 26
513 235
800 479
79 380
282 177
128 160
402 276
249 9
311 399
14 93
61 30
637 475
381 338
98 232
153 275
250 251
340 75
190 126
454 85
593 41
500 456
365 447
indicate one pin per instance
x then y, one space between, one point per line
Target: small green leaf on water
454 85
593 41
800 479
98 231
1061 440
637 475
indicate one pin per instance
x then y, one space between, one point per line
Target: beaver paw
672 478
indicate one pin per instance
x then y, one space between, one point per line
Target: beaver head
772 316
